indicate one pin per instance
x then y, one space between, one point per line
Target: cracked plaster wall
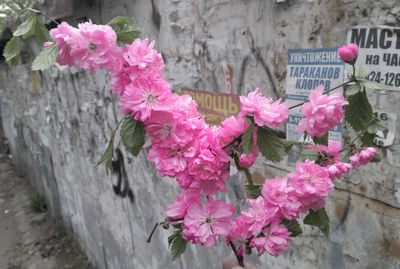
59 129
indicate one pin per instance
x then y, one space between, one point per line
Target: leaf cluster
10 8
359 114
32 26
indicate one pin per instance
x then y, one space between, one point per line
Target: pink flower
332 150
348 53
204 222
232 127
168 162
94 46
143 56
248 161
211 162
185 199
170 129
322 112
239 234
259 215
275 240
277 193
209 187
311 183
362 157
336 169
207 166
135 61
64 35
142 97
264 110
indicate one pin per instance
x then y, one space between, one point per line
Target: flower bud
348 53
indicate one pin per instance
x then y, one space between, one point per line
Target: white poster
307 69
379 49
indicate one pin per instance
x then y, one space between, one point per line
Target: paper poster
386 138
215 106
307 69
379 49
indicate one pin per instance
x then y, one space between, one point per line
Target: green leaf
178 225
358 112
177 91
319 219
248 140
132 135
373 85
270 145
41 33
26 26
255 190
12 50
321 140
177 244
126 30
31 32
248 250
353 89
46 58
308 154
305 135
108 154
368 139
362 71
376 125
293 226
376 159
288 144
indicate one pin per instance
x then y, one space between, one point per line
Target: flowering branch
328 91
184 147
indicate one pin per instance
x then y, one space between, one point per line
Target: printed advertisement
214 106
307 69
379 49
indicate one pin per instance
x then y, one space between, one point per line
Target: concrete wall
58 123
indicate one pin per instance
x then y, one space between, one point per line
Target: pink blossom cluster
90 46
185 147
362 157
264 110
334 162
322 112
282 198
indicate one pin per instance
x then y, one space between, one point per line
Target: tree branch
328 91
238 257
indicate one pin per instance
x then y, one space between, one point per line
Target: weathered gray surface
57 132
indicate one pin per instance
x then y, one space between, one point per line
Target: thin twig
166 221
238 257
152 232
43 14
236 139
328 91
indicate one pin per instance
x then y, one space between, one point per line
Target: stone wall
59 121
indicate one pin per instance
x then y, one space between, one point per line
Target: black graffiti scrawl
122 188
